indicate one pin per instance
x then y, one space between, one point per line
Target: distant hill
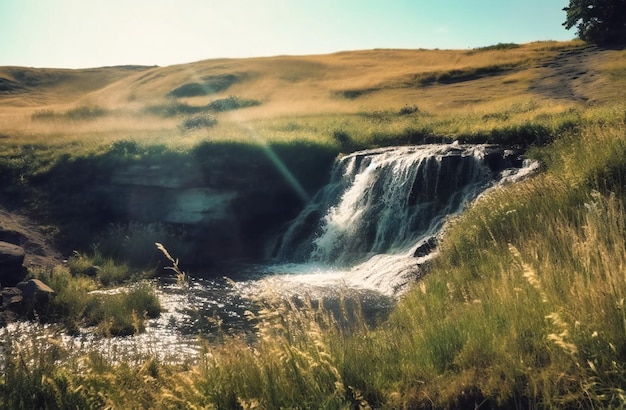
345 80
127 101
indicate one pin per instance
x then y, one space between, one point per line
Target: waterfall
378 216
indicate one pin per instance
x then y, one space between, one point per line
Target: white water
379 207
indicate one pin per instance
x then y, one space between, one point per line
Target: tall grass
523 306
78 302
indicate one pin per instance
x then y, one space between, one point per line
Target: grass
80 113
80 300
508 316
523 307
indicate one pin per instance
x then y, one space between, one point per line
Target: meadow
523 306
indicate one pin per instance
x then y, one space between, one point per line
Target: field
523 307
449 93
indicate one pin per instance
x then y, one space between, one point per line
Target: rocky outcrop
220 201
12 269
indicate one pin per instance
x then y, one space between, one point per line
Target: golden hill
553 75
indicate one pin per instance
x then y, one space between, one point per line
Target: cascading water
375 222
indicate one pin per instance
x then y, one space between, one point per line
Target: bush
177 109
124 147
344 140
104 270
86 113
408 110
78 303
499 46
231 103
43 115
197 122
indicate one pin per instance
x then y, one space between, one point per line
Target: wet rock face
12 270
224 215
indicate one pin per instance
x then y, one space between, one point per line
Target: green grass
80 301
512 308
522 308
123 313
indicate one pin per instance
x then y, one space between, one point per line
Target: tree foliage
597 21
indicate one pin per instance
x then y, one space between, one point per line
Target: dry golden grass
309 90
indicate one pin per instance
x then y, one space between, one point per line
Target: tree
598 21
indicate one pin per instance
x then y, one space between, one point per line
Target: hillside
556 76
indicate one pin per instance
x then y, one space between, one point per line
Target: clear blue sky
93 33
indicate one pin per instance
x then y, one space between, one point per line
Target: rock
10 297
10 236
93 271
426 247
11 254
35 293
11 264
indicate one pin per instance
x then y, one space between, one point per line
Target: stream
362 238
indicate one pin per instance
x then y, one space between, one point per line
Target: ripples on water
204 310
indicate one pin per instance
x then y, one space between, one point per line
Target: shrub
344 140
499 46
78 302
105 270
124 147
71 299
86 113
197 122
231 103
408 110
466 74
43 115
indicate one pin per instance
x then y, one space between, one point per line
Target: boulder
10 297
12 270
35 293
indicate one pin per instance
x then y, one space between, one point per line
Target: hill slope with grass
144 100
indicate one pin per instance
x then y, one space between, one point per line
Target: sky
96 33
